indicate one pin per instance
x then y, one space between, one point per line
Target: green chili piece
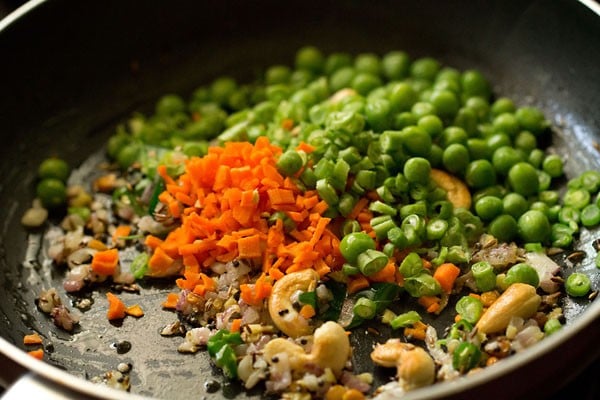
466 356
578 284
365 308
371 261
485 277
403 320
469 308
422 284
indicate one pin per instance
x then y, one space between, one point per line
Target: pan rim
72 382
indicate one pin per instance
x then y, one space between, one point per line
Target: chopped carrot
307 311
96 245
387 274
249 247
121 232
431 303
357 283
171 301
116 308
135 311
236 324
33 338
39 354
446 275
105 262
418 331
487 298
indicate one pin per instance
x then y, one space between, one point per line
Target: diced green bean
404 320
578 284
371 261
485 277
469 308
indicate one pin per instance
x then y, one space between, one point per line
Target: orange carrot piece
135 311
39 354
236 324
160 260
171 301
446 274
249 247
33 338
116 307
357 283
307 311
387 274
120 232
105 262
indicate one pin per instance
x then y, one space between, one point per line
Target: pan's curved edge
66 380
592 5
19 12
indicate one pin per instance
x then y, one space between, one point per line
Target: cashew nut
457 190
415 366
331 349
519 300
281 309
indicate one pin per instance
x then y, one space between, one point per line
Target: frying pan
72 70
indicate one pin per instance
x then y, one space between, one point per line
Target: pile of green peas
380 124
51 188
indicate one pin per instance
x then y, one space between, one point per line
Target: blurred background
584 387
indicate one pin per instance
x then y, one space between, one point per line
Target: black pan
71 70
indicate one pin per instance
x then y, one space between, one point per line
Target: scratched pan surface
69 72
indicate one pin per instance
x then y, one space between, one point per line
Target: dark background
584 387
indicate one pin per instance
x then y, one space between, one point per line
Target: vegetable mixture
346 192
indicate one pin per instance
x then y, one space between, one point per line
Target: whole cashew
415 367
331 349
457 190
519 300
281 309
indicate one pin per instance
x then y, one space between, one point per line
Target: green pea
425 68
417 141
432 124
578 284
522 273
474 84
453 134
170 104
455 158
515 204
336 61
553 165
421 109
378 114
467 119
504 228
480 106
354 244
504 158
52 192
480 174
445 103
128 155
525 141
222 88
342 78
477 148
532 119
54 168
364 82
402 96
534 226
368 62
395 65
523 178
497 140
310 58
417 170
488 207
506 123
502 105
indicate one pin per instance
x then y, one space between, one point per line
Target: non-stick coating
72 70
